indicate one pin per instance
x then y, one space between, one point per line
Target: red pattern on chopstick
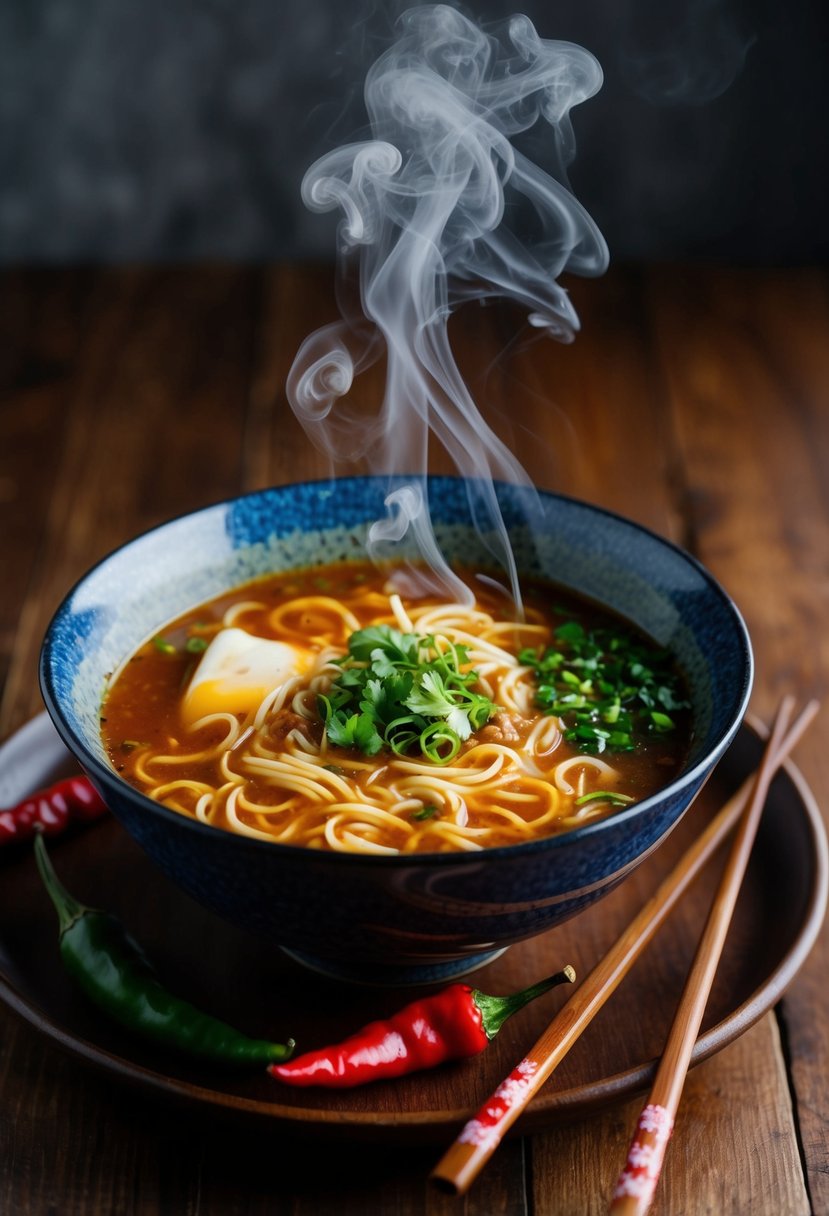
634 1193
480 1137
646 1154
484 1128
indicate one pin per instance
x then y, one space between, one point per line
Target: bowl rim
105 773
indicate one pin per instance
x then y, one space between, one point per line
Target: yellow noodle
209 803
367 813
167 794
544 737
355 820
492 792
563 770
206 803
423 792
196 787
314 616
534 791
375 774
401 616
460 772
292 803
276 699
308 769
356 844
516 630
282 775
449 617
233 613
516 691
239 824
477 646
474 836
581 816
187 758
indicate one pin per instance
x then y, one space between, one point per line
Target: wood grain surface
695 401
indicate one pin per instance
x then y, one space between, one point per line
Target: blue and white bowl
394 919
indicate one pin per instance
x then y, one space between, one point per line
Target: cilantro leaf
381 644
429 697
354 730
403 691
458 720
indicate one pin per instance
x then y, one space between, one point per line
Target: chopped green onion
435 740
661 722
604 796
609 687
163 646
427 811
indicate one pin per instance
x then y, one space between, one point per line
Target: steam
432 206
689 54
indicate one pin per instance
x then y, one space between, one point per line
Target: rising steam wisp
424 205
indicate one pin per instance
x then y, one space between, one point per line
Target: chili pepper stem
68 908
496 1009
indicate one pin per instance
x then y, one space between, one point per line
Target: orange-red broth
142 718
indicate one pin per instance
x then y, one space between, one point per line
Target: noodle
270 772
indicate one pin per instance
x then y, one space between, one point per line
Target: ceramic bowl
407 919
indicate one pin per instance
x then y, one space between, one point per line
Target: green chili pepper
115 974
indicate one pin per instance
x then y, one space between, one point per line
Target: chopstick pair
482 1134
634 1190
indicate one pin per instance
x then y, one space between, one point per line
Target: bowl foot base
383 975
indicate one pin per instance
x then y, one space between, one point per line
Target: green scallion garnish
427 811
609 688
605 796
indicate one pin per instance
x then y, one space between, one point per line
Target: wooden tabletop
695 401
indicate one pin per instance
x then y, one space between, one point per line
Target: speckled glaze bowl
383 919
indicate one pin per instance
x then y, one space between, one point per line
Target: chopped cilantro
405 692
352 730
609 687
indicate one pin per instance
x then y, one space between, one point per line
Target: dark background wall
180 129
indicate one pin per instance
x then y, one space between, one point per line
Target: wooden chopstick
481 1135
637 1182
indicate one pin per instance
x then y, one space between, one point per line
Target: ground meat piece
284 721
500 729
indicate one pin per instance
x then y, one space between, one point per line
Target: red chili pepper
50 810
452 1024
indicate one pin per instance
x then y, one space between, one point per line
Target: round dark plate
263 992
